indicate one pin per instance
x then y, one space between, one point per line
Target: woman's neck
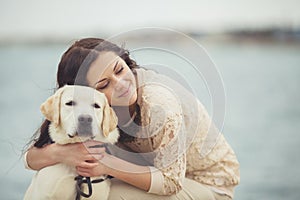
125 113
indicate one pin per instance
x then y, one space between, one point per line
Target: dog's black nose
84 126
85 119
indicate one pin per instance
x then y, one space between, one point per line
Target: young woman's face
111 75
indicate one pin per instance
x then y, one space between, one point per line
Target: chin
125 101
133 99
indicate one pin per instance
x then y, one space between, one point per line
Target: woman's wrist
55 153
52 153
137 175
38 158
108 161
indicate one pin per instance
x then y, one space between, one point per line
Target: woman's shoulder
153 89
157 95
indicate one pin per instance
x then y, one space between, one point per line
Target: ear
51 107
110 120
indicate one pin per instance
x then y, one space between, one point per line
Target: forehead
102 66
105 59
82 94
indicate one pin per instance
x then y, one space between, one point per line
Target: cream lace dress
173 139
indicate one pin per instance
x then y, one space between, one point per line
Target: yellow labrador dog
77 114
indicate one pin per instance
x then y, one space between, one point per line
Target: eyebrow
106 78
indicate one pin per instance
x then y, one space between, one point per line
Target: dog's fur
77 114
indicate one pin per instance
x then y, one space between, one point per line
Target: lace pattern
171 138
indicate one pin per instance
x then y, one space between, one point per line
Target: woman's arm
38 158
86 161
77 154
136 175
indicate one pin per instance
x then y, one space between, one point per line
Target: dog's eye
95 105
70 103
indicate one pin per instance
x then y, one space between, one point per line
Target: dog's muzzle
84 126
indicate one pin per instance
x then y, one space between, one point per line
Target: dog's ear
51 107
110 120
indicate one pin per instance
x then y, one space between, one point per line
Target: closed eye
95 105
103 86
70 103
120 70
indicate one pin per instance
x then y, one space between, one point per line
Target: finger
94 157
83 173
83 169
98 150
91 143
88 165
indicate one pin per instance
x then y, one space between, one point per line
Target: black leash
80 180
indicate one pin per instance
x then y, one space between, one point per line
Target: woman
163 132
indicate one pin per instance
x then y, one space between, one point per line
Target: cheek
128 74
108 95
68 121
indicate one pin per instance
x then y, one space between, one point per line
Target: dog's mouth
84 136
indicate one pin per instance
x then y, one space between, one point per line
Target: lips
125 93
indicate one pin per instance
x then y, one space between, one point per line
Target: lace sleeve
25 161
166 138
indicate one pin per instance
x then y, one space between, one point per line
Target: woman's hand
94 167
90 162
83 155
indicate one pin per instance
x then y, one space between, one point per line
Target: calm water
262 112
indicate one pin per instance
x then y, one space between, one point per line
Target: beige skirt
191 190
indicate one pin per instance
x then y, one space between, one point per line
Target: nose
120 84
85 119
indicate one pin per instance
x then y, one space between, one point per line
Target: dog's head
79 113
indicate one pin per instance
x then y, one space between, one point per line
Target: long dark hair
73 68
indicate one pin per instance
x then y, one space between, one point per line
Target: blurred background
255 45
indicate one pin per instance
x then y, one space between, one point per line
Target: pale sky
39 18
